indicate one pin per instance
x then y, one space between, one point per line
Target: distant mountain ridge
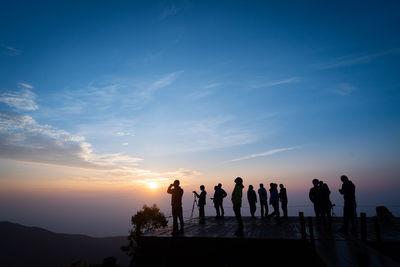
33 246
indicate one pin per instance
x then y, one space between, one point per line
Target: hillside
31 246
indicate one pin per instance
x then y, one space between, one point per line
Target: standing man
222 194
202 203
216 200
237 203
262 195
252 198
176 203
348 191
284 200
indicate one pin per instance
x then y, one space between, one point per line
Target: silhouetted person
348 191
202 202
274 200
284 200
221 195
252 198
315 197
237 203
262 196
326 204
176 203
215 201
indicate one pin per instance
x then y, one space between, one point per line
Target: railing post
302 226
311 230
377 230
363 219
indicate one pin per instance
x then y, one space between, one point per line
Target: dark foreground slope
32 246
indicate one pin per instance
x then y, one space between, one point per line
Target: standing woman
237 203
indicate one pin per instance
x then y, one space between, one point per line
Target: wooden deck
289 228
280 243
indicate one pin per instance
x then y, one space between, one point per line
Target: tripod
194 203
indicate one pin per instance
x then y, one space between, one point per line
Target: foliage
146 219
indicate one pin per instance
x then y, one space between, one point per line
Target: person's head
202 187
281 186
239 180
271 185
176 183
315 182
320 183
261 185
219 185
344 178
250 187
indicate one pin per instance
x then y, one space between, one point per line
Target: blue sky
148 90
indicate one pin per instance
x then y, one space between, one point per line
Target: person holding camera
202 203
176 202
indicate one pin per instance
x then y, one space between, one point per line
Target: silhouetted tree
146 219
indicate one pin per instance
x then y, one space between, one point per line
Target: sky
103 104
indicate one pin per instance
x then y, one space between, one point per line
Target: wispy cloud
344 89
24 99
263 154
122 133
10 51
204 91
164 81
357 59
278 82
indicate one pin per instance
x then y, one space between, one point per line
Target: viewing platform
267 242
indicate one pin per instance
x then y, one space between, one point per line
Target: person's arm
197 195
169 190
311 195
224 194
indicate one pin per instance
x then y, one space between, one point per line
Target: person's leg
236 210
201 213
262 209
252 209
284 209
174 219
276 210
180 216
345 217
216 205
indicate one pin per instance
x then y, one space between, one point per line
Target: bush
145 220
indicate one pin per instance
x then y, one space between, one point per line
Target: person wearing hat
176 202
237 203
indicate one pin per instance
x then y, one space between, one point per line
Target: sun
152 185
